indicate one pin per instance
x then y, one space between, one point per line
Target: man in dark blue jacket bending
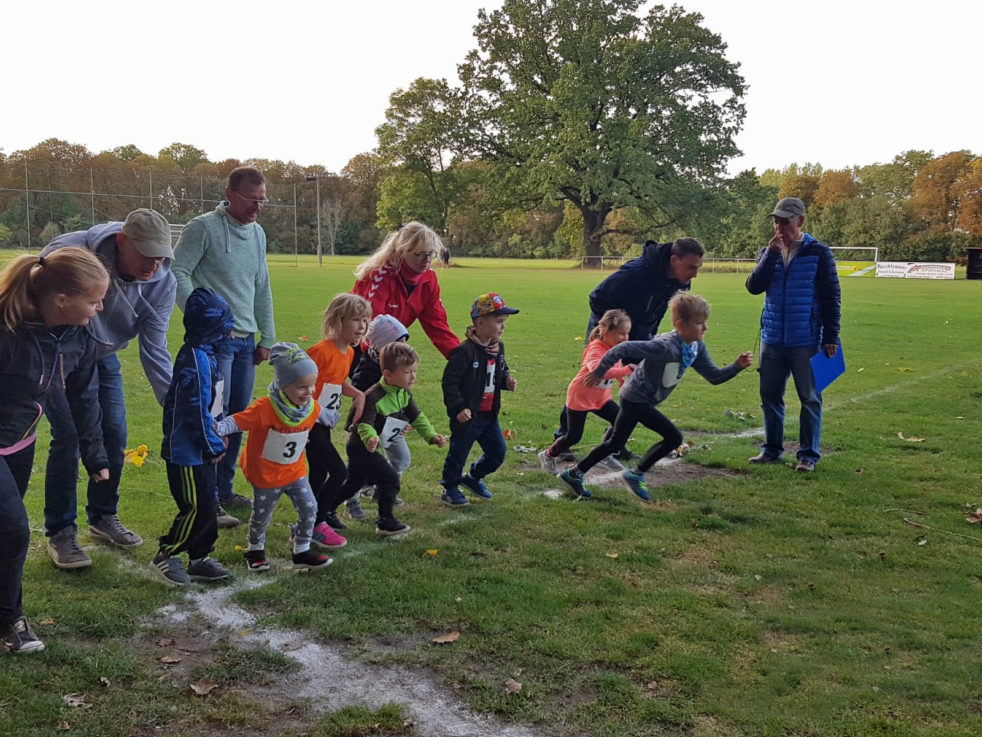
801 315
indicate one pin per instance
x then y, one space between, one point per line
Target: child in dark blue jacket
191 446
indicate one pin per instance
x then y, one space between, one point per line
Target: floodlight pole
316 178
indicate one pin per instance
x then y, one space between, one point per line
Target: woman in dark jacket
45 304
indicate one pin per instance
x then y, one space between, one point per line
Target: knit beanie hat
290 362
385 329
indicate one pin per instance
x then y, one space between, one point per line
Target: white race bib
670 377
606 384
391 431
284 448
330 397
218 402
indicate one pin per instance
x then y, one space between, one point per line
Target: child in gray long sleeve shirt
662 362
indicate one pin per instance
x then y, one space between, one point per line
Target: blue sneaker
636 483
453 498
476 485
576 484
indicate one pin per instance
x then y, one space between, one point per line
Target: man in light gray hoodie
226 250
137 254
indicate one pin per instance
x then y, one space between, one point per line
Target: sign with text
914 270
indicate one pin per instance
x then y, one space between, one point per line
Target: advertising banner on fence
912 270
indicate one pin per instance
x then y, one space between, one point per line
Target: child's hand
101 475
407 429
511 384
745 359
372 444
464 415
439 440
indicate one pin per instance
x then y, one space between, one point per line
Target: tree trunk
593 224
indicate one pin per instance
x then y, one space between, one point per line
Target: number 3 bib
284 448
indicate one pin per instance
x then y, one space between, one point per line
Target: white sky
835 82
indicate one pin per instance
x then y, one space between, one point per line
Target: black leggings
630 415
327 470
576 421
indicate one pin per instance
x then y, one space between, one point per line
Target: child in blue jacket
191 446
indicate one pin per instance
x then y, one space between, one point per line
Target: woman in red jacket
397 280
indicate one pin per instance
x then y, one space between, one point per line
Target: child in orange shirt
612 329
344 325
274 461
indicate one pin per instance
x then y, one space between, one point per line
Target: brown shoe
805 466
764 458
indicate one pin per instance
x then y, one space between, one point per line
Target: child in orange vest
274 461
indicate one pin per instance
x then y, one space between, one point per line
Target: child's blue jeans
483 429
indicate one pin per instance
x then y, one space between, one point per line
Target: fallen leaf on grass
758 577
64 726
922 541
165 642
904 369
910 440
432 551
48 621
975 517
512 686
104 681
653 685
75 700
204 687
508 433
171 659
447 638
611 555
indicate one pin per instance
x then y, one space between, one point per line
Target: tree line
576 128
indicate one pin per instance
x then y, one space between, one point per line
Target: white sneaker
547 462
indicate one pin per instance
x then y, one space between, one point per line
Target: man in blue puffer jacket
801 315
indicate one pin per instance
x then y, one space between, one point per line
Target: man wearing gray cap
802 306
137 253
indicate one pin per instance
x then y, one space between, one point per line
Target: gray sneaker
224 519
611 463
208 570
64 550
110 529
547 462
237 501
353 509
19 638
170 569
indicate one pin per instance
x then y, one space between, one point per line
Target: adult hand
776 243
261 355
217 459
101 475
830 349
464 415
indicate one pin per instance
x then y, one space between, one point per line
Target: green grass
754 602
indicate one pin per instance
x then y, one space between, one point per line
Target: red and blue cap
490 304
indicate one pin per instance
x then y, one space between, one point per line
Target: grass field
743 601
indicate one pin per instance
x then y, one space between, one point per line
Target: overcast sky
832 82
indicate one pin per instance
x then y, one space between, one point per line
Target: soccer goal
856 260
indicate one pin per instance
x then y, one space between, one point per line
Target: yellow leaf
578 338
910 440
611 555
432 551
447 638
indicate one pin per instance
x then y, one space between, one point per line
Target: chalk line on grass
329 681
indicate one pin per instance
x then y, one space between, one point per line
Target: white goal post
871 249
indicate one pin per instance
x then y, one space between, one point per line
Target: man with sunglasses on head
137 254
226 250
802 306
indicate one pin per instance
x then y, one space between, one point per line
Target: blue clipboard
827 370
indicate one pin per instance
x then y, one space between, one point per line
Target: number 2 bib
391 430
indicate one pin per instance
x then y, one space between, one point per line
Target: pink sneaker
324 537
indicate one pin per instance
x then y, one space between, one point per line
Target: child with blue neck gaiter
274 461
661 363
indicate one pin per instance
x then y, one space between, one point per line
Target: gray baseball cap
150 233
788 207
